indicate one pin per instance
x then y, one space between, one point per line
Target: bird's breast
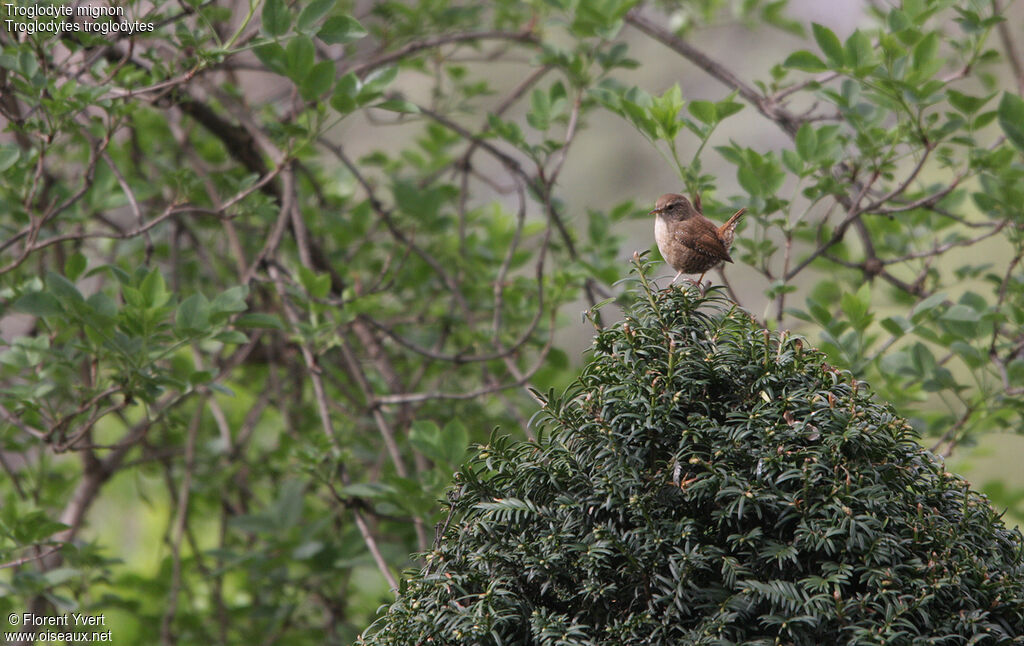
662 236
666 235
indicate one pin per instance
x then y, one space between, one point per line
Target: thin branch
1013 57
181 517
521 379
28 559
786 120
796 87
926 201
13 420
904 184
362 69
951 434
368 538
570 133
837 235
943 248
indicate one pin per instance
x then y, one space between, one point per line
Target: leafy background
268 271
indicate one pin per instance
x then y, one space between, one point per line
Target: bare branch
789 122
361 69
1013 57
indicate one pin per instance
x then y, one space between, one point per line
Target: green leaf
726 108
926 306
859 53
339 30
984 119
318 81
898 21
276 18
34 526
27 63
559 98
637 115
925 51
287 509
344 97
425 436
665 109
961 313
896 325
102 305
398 105
966 103
317 285
259 320
507 130
272 55
857 305
969 353
369 490
230 300
704 111
1011 119
375 83
307 550
198 377
154 289
793 162
61 575
260 523
63 289
75 265
38 304
805 61
454 441
539 116
232 336
446 447
806 142
193 314
829 44
299 57
314 12
749 180
9 155
923 359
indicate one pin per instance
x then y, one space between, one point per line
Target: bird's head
673 207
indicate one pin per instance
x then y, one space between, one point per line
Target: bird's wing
702 237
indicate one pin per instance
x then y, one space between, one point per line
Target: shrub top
707 482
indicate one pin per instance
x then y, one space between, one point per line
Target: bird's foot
701 286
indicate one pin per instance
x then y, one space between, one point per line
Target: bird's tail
731 222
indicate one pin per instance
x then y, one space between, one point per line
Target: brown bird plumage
688 241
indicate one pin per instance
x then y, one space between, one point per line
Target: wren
688 241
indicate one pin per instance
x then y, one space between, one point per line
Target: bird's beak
654 211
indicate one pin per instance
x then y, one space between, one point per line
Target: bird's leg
700 283
672 282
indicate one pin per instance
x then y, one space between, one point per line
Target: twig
368 538
950 435
1012 55
786 120
362 69
28 559
904 184
181 516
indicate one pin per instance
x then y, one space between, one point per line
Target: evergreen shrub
708 482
